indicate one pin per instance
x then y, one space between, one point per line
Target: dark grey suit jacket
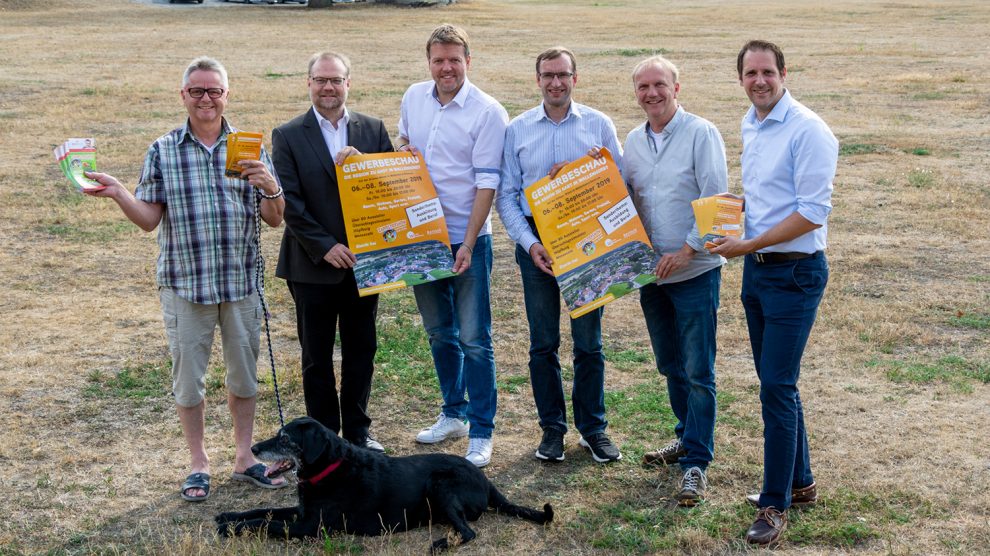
313 217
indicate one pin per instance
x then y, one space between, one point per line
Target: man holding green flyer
206 264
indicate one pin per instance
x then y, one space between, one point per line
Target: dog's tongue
277 468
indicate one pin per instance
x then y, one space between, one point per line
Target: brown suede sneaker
768 526
800 497
669 454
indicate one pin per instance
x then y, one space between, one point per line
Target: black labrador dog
353 490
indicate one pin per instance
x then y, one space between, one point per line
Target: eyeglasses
198 92
322 81
561 75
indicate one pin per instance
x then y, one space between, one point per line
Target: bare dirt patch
895 381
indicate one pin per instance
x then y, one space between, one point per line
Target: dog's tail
502 505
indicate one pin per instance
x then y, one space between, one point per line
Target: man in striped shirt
539 142
206 264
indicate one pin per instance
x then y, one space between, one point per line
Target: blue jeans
542 297
457 317
781 302
682 318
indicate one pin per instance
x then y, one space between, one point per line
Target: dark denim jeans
781 302
588 392
457 317
682 320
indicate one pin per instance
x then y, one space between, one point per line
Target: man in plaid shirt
207 263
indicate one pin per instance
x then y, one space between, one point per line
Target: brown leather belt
781 257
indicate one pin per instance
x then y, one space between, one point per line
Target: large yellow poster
394 222
591 229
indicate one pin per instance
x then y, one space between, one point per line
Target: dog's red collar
330 469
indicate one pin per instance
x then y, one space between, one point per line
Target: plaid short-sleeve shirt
206 239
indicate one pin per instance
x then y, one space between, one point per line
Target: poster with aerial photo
591 229
394 222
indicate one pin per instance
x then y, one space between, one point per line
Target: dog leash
260 283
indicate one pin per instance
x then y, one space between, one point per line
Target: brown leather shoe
768 526
800 497
669 454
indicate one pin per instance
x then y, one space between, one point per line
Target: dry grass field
896 379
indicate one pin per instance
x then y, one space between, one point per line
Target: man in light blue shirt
670 160
459 131
788 164
539 143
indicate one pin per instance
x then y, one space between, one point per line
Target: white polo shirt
461 143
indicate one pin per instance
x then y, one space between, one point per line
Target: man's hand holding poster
394 222
588 224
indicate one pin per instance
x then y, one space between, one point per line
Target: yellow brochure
717 216
241 145
588 224
394 222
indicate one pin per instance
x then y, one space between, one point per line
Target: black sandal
193 481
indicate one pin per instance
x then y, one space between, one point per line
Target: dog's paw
439 546
548 512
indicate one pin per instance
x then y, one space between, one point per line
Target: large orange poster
394 222
591 229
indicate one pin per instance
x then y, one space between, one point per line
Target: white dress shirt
461 143
335 137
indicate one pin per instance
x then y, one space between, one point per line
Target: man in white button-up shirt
788 164
459 131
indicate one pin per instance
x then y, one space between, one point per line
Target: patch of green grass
378 93
513 108
978 278
95 91
631 52
512 384
272 74
144 381
97 232
971 320
641 414
848 149
922 178
628 359
920 151
340 544
930 95
850 517
404 361
630 528
950 369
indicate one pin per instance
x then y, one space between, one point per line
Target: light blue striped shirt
788 164
533 144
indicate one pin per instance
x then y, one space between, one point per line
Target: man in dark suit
314 258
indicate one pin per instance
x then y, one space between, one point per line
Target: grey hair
205 63
657 60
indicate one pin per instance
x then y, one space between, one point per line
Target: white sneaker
444 428
479 451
